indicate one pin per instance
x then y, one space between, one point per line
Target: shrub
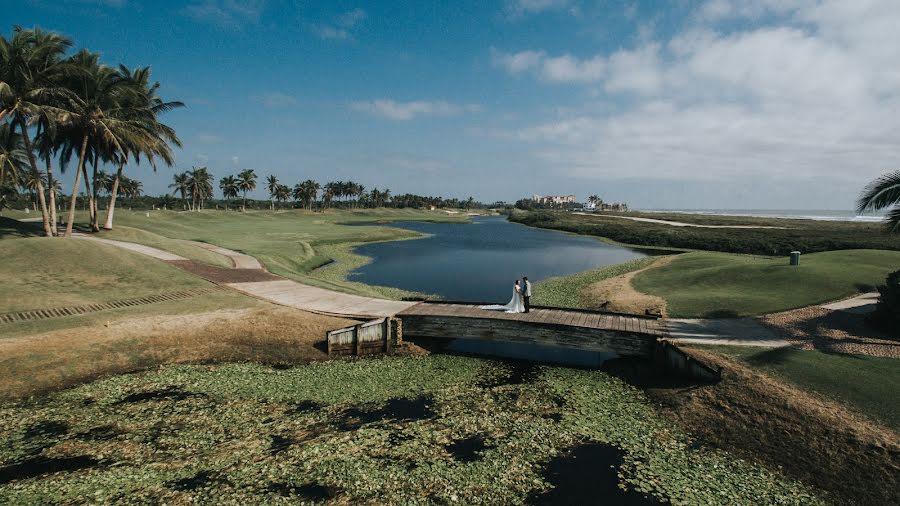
887 313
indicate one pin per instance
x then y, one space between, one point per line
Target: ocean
801 214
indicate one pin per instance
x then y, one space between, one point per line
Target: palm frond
880 194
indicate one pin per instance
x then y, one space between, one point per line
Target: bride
515 304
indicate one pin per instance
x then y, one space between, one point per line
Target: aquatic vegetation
401 430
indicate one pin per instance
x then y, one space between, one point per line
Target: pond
479 261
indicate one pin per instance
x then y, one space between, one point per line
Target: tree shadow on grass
15 228
721 314
774 356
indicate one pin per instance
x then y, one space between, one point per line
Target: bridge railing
644 316
372 337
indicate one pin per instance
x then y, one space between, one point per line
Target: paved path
732 332
675 223
290 293
272 288
864 303
137 248
239 260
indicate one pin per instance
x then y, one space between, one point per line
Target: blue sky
680 104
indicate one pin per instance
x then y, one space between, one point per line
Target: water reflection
530 352
480 261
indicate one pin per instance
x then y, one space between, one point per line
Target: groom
526 293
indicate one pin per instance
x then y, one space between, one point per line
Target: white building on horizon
553 199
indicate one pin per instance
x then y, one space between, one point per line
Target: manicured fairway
294 243
709 285
42 273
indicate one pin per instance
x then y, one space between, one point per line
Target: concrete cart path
282 291
137 248
731 332
319 300
239 260
864 303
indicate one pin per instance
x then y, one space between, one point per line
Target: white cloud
226 13
275 100
235 160
403 111
804 90
523 7
208 138
343 26
564 68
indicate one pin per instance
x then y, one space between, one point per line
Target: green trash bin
795 258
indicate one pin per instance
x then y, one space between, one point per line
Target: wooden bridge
625 335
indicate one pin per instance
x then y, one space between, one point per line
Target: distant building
554 199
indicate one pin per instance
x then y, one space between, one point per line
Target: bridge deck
586 319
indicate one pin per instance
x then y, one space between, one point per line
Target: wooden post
388 339
356 330
328 342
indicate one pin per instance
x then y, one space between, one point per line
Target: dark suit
526 296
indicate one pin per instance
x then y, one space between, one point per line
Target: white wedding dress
515 305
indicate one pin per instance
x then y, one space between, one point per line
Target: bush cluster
887 313
807 236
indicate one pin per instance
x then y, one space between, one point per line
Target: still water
481 260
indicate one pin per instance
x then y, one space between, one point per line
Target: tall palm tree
230 187
246 181
200 187
13 158
132 188
271 185
180 185
883 193
30 73
282 193
98 118
310 190
155 138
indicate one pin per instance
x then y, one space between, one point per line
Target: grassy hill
46 272
706 284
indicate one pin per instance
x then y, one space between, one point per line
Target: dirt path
676 223
618 294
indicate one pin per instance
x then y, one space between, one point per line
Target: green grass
807 236
46 273
868 384
565 291
250 434
704 284
179 247
293 243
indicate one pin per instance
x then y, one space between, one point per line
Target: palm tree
180 185
29 87
271 185
98 117
132 188
310 191
246 183
200 187
143 107
230 187
166 201
13 158
282 193
328 192
883 193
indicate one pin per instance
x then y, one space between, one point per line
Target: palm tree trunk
45 217
51 190
95 200
112 198
78 171
88 194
